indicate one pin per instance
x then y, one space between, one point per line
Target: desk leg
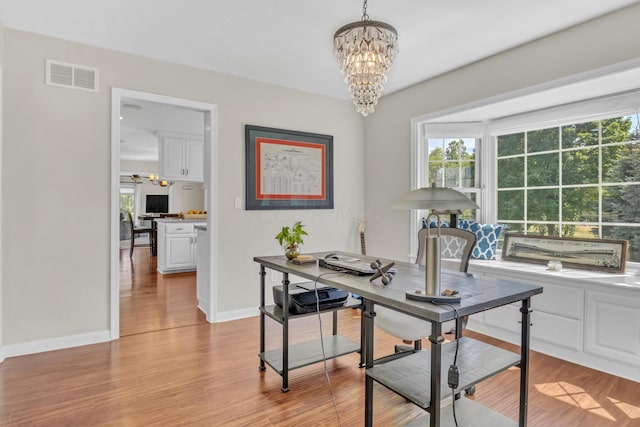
524 360
262 273
285 333
367 340
436 341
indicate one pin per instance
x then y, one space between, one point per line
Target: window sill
630 279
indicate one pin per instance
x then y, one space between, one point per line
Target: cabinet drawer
560 300
557 330
178 228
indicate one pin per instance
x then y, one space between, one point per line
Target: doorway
123 100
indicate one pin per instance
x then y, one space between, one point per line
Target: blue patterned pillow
432 223
487 235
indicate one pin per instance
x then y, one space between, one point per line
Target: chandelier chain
365 16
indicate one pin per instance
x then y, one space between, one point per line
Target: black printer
302 297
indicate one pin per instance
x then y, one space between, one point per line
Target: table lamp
433 199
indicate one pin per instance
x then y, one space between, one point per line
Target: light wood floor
150 301
187 372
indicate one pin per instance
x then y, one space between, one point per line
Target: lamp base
421 296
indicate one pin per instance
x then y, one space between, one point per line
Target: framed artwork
288 169
588 254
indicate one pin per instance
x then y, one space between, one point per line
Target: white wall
56 246
604 41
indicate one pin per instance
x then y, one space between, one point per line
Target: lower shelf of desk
468 413
409 376
308 353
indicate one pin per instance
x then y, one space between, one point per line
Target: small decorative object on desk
290 238
554 265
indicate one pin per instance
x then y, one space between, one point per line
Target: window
451 162
578 180
127 201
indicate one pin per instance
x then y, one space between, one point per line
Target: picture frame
287 169
582 253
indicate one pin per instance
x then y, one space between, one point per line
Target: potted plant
290 238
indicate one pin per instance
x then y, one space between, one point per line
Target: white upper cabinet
181 157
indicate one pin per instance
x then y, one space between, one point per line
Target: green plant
290 237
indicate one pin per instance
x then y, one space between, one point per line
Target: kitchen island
176 242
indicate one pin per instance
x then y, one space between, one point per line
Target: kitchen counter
186 221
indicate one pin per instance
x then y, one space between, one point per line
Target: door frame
210 183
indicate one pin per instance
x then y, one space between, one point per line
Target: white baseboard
59 343
226 316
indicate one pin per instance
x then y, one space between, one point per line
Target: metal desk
477 295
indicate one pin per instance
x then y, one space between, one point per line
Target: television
157 203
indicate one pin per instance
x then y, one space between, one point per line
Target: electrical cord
454 373
324 356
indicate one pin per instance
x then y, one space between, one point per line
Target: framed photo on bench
589 254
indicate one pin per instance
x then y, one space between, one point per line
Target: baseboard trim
226 316
51 344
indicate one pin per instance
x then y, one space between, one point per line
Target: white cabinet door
179 251
613 327
172 158
181 157
194 160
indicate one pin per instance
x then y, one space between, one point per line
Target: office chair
135 231
455 243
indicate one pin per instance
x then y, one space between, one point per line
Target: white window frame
614 105
423 130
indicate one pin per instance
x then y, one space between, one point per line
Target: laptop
355 266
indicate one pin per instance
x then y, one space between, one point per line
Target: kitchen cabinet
181 157
177 243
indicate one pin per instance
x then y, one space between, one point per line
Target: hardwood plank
207 374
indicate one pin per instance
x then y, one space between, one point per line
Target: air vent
70 75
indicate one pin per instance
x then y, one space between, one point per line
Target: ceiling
289 42
140 120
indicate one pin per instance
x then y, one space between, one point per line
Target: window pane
511 172
580 204
580 135
543 140
542 205
435 149
510 205
615 167
459 148
632 234
451 175
435 174
468 174
580 167
511 144
617 130
621 203
542 169
469 213
584 231
543 229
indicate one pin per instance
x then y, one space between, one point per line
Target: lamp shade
438 198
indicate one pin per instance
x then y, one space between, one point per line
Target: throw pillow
432 223
487 238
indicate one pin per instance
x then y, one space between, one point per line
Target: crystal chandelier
365 50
